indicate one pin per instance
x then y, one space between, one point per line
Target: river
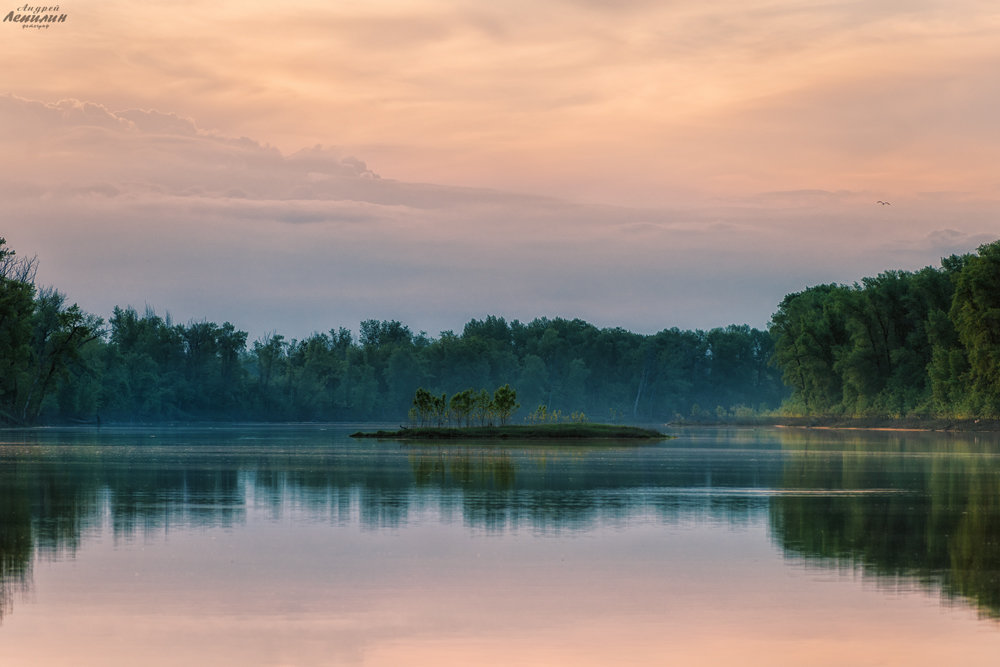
297 545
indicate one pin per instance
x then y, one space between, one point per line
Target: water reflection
941 527
922 507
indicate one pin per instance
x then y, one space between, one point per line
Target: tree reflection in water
923 508
917 508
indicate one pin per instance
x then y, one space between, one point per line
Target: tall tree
40 338
505 403
17 305
976 314
59 333
809 330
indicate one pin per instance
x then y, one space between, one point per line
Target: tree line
59 364
923 343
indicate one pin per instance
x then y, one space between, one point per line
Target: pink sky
301 167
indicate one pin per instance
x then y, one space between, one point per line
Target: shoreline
903 424
583 431
816 423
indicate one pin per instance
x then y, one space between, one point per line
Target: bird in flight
884 203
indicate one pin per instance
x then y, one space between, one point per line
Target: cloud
155 122
83 145
146 207
620 103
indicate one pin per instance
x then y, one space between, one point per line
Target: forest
61 365
900 344
924 343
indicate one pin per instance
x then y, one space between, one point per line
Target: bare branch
18 269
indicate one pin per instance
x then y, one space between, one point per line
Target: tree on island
482 407
505 402
422 402
464 406
429 408
461 406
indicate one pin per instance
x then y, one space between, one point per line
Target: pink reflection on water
433 594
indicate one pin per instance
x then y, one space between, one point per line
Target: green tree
809 329
59 333
975 312
40 338
461 406
482 408
423 403
505 403
17 305
269 353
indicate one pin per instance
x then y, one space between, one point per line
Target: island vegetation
901 347
565 431
477 415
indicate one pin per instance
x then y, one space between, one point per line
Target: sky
299 167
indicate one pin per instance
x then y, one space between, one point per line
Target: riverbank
858 423
521 432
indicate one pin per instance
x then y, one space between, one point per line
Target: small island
580 431
477 415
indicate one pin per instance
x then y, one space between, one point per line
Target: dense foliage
41 339
143 367
922 343
147 368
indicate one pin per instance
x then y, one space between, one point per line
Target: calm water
300 546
